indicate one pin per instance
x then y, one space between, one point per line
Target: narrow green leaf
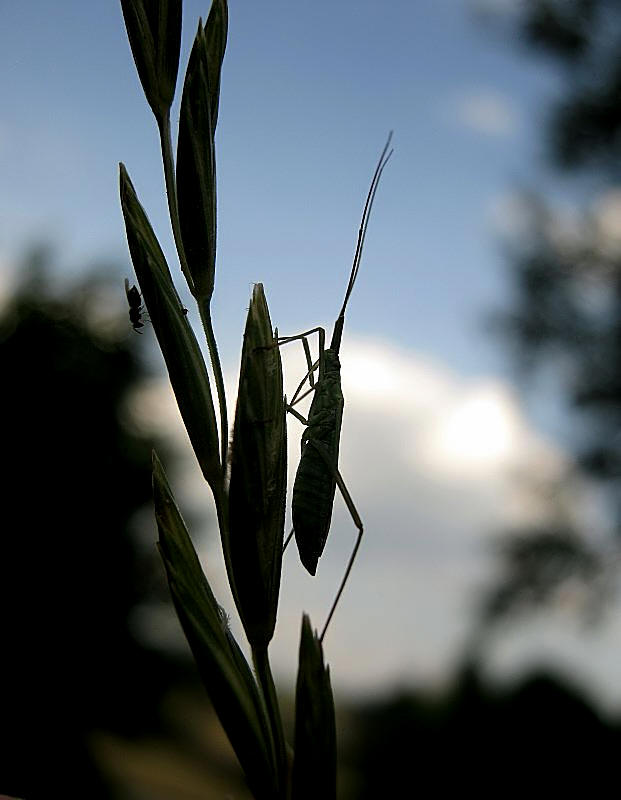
183 357
154 33
314 763
196 172
222 666
215 35
196 164
258 476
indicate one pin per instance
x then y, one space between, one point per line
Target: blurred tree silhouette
566 275
73 475
585 36
538 738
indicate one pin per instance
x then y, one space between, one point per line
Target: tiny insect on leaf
135 306
184 359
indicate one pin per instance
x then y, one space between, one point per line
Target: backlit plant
250 498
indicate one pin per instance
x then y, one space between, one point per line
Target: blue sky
309 93
310 90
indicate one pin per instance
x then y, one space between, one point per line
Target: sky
435 431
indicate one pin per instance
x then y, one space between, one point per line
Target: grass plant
250 499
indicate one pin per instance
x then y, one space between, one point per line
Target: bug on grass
134 300
317 475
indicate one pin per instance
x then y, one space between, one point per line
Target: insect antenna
362 232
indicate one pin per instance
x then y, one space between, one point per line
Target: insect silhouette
135 306
317 475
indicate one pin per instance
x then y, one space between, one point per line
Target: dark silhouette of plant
248 480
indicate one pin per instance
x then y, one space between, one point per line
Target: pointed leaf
154 33
196 172
258 476
215 34
184 360
314 764
222 666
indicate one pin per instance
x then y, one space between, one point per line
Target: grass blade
258 485
154 33
196 172
215 35
314 764
222 666
184 360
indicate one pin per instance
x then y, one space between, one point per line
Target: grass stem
204 309
266 682
205 312
171 193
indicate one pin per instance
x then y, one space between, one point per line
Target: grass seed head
184 360
314 765
196 171
154 33
258 483
221 664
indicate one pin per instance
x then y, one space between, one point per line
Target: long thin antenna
362 232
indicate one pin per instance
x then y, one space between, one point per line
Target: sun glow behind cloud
478 433
446 426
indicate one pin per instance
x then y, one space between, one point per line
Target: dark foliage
72 476
585 37
536 565
566 310
539 738
567 300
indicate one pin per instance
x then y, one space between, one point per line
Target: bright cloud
475 434
438 466
430 460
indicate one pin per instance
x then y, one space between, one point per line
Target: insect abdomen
315 480
313 498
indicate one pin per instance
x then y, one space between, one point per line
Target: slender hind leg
310 377
323 451
304 422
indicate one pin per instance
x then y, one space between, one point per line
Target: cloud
430 460
486 111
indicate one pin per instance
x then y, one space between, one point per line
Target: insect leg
310 377
323 450
304 421
297 415
288 539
